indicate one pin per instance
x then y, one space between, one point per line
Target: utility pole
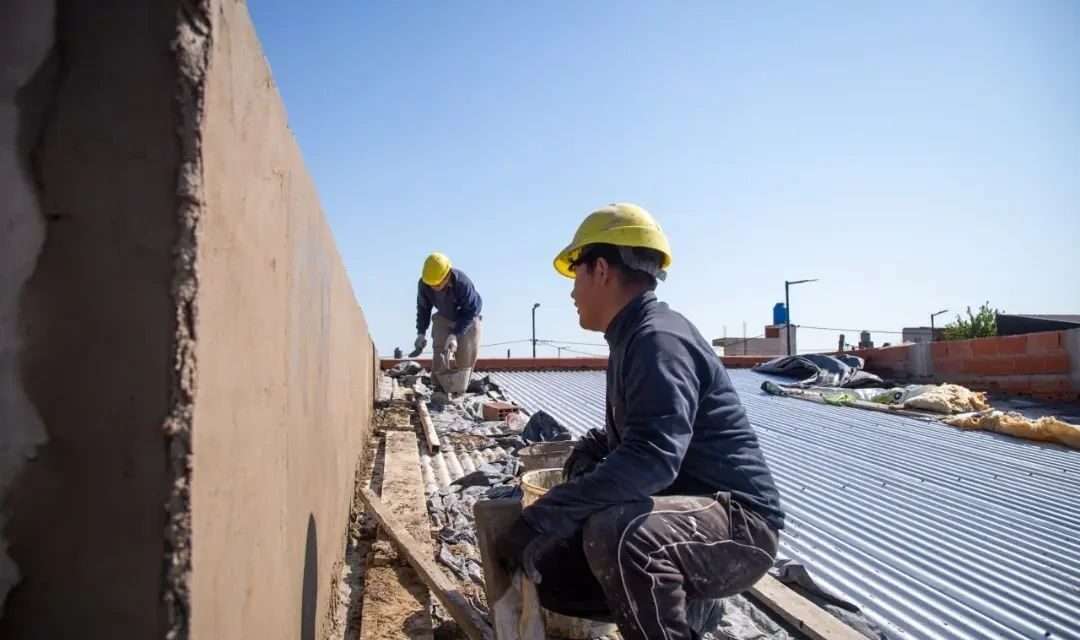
932 316
787 305
535 305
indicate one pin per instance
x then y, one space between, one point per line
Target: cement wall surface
97 138
285 365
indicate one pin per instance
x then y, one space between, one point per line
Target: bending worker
456 327
673 501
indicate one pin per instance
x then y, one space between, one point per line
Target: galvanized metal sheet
936 532
574 398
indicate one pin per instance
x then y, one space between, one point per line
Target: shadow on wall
309 589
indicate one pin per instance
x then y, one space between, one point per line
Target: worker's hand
419 344
587 453
522 547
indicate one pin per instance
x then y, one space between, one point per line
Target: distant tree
982 324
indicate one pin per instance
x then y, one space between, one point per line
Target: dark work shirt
458 302
675 426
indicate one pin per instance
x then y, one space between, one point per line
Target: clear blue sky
915 156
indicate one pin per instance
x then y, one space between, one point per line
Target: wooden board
419 557
804 615
493 518
396 601
427 427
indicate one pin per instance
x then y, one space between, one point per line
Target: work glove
522 547
586 454
420 343
451 348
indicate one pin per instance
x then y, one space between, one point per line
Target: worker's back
724 453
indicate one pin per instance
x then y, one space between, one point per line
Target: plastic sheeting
819 370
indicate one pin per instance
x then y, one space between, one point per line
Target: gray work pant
640 563
455 378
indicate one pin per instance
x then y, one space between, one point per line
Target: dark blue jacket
675 426
458 302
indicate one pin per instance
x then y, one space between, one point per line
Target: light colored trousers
454 379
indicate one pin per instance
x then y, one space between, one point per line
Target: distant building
1014 324
773 344
921 334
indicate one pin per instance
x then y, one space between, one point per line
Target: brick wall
1038 364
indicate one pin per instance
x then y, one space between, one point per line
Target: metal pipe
787 303
787 310
535 305
932 316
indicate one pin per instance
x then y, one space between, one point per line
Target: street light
535 305
932 316
787 305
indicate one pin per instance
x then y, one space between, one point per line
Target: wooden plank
807 617
419 556
397 604
430 436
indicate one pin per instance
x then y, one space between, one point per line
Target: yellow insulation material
948 399
1046 429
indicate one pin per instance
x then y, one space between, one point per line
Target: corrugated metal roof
574 398
937 532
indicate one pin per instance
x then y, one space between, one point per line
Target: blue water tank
779 313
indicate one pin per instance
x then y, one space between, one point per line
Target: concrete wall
185 376
97 137
1037 364
285 365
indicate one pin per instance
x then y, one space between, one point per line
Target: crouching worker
673 501
456 325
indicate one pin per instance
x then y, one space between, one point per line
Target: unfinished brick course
1037 364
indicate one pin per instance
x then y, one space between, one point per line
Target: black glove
419 344
587 453
521 547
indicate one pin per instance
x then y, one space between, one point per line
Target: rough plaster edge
192 48
26 434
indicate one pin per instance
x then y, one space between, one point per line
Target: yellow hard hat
621 224
436 268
